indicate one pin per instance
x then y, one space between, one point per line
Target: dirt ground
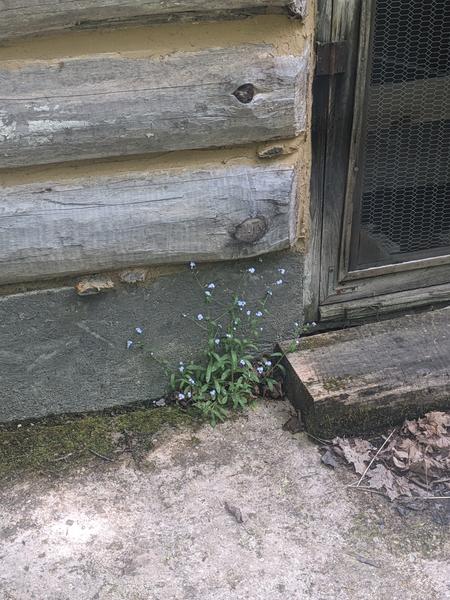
162 531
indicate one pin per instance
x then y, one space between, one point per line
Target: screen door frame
339 111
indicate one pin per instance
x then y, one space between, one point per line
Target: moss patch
55 445
335 384
328 421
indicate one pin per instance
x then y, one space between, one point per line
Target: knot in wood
245 93
251 230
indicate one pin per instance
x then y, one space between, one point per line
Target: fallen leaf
329 459
382 479
357 454
235 512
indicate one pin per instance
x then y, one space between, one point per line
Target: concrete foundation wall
61 353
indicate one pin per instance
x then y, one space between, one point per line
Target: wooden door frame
331 292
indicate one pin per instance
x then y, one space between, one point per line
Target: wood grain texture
31 17
369 308
319 130
108 105
89 225
370 377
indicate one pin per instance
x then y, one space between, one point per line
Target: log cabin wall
135 137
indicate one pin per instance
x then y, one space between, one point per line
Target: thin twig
95 453
375 457
364 560
370 490
64 457
321 441
434 498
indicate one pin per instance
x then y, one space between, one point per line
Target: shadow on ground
162 530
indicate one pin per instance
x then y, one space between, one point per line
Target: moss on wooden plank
331 420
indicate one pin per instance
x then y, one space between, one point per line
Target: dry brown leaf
382 479
357 454
415 462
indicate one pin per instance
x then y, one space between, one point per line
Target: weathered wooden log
31 17
87 225
371 377
108 105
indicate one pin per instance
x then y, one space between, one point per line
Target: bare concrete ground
162 531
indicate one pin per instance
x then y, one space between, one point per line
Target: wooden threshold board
372 377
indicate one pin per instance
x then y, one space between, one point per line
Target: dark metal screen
404 200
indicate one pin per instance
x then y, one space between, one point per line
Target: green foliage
228 375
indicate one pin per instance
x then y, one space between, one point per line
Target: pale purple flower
189 395
181 396
217 341
241 303
139 330
260 370
213 393
129 344
279 282
200 317
251 270
258 314
191 381
282 271
242 363
249 312
211 286
181 369
192 265
268 363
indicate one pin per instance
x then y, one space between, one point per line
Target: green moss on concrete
55 445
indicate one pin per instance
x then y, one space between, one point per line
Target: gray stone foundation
61 353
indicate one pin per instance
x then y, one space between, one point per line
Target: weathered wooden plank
89 225
110 105
385 304
319 131
373 376
25 17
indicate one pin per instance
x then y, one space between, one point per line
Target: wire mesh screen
405 204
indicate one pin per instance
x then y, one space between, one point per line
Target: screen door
402 209
381 138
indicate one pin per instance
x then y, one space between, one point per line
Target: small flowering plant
227 376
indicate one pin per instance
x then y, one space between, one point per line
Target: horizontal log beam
108 105
32 17
56 229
